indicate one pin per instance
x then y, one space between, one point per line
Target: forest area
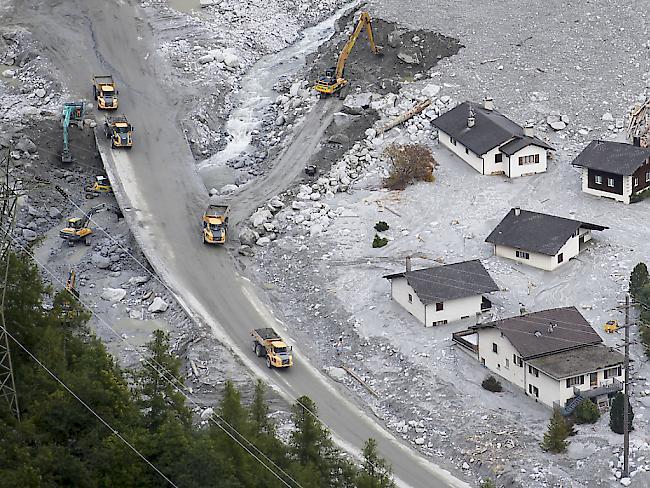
86 422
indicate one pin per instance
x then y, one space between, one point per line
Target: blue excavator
73 113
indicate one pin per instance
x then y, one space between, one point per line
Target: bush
381 226
616 414
410 162
487 483
555 437
492 384
379 241
638 279
587 413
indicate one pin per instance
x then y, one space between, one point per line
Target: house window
560 258
452 140
533 371
507 363
522 254
439 306
598 179
410 298
636 181
498 158
647 177
530 159
517 360
611 372
495 348
439 322
466 151
576 380
610 182
533 390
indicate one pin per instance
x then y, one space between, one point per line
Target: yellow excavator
78 229
333 80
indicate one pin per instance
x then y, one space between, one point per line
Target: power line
161 370
99 417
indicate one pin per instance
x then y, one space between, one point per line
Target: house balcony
467 339
605 388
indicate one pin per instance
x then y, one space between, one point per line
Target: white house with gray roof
540 240
614 170
554 355
490 142
443 294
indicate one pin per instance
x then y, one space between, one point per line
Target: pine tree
616 414
259 411
638 278
555 437
587 413
159 382
375 472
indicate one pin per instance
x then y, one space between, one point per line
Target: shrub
492 384
379 241
587 413
555 436
616 414
638 279
487 483
381 226
410 162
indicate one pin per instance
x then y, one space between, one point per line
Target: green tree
259 411
555 436
159 382
487 483
638 278
375 471
616 414
587 413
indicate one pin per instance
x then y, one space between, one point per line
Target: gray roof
491 129
518 143
537 232
529 334
441 283
579 361
613 157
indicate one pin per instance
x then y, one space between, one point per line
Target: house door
593 380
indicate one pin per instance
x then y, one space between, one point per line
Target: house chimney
529 130
517 211
470 119
408 264
488 103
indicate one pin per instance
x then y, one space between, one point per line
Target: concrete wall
627 188
400 290
513 169
454 309
472 159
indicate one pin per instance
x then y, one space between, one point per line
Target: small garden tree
587 413
638 279
487 483
379 241
616 414
381 226
492 384
410 162
558 431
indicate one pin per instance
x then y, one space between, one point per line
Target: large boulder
101 261
208 58
158 305
248 237
260 217
113 294
356 103
431 90
54 212
409 57
231 60
26 145
30 235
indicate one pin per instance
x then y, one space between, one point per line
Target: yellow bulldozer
333 80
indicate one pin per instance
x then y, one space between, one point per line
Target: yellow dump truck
119 131
105 92
267 342
215 224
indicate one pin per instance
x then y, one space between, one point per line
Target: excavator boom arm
364 21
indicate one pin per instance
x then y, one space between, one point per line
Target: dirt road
162 198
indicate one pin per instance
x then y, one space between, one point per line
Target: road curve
162 197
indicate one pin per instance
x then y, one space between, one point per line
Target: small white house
554 355
614 170
490 142
442 294
540 240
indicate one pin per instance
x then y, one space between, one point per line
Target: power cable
99 417
161 370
